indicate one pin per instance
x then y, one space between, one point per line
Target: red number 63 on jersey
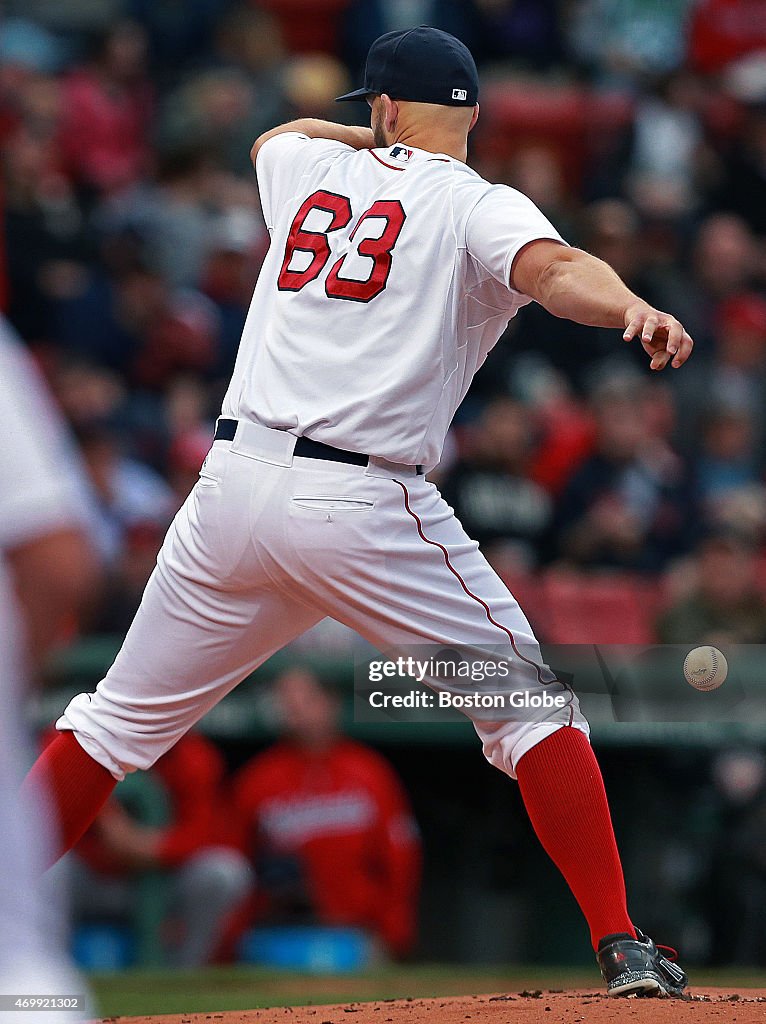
378 250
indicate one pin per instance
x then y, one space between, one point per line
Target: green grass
241 988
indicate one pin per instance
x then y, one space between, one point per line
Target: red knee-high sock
564 794
76 785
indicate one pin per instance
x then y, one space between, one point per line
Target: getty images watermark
441 684
448 670
614 684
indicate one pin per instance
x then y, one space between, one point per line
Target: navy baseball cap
424 65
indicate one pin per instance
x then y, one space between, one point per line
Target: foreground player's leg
33 915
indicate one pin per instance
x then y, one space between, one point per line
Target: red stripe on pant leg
475 597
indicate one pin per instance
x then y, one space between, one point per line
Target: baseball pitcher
393 270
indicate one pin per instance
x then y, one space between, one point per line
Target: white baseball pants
264 547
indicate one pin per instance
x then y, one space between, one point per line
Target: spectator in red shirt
207 878
107 107
327 825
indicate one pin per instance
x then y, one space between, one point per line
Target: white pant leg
33 926
210 614
405 573
33 958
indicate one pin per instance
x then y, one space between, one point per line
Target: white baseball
705 668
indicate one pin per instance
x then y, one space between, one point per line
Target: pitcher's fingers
651 324
633 328
684 350
660 360
675 336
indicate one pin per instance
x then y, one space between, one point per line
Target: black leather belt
305 448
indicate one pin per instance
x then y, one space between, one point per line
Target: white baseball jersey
386 285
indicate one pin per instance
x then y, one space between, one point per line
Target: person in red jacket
327 825
207 878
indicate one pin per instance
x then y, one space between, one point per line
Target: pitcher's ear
475 118
390 111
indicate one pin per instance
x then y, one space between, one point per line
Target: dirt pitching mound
527 1007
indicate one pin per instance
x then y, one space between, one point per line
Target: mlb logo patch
401 153
459 94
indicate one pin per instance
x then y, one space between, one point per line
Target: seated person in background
491 492
627 506
724 604
327 825
207 879
727 469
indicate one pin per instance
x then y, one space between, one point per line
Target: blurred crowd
132 238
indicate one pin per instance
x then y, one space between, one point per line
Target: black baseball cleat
639 967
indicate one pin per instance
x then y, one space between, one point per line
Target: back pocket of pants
332 503
211 469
